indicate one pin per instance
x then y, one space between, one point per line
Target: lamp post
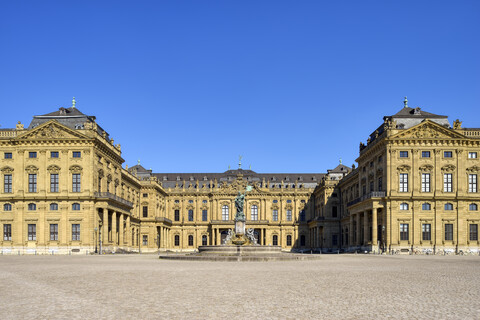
94 238
100 236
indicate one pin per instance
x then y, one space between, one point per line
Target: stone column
350 231
359 241
216 236
365 227
374 229
121 229
105 226
260 241
129 232
114 228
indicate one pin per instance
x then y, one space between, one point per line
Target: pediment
428 130
51 130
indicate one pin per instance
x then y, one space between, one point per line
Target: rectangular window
54 154
425 182
426 232
275 215
145 211
448 231
7 183
380 184
425 154
334 211
204 215
32 232
77 154
371 186
145 240
190 215
404 231
303 217
54 232
447 154
76 182
7 232
473 232
447 182
32 154
403 154
335 240
289 215
32 183
403 182
8 155
177 215
75 232
472 183
472 155
54 182
145 195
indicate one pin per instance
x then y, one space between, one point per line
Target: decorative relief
31 169
50 131
403 168
457 124
426 168
473 169
53 168
448 168
100 173
7 170
76 169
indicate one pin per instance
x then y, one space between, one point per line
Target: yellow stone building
66 190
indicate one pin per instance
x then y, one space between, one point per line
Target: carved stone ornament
403 168
50 131
473 169
100 173
75 169
53 169
31 169
457 125
426 168
425 131
448 168
7 170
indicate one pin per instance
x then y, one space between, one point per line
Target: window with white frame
473 232
32 232
53 206
275 215
403 182
7 207
448 231
225 215
426 206
425 182
404 206
254 213
7 183
75 232
76 182
76 206
32 182
54 182
404 231
472 155
7 232
289 215
54 232
447 182
472 183
426 232
473 207
448 206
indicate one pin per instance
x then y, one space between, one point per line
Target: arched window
426 206
472 207
204 240
32 206
177 240
7 207
275 240
225 215
53 206
76 206
302 240
190 240
289 240
254 213
448 206
404 206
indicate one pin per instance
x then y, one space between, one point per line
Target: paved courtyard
334 287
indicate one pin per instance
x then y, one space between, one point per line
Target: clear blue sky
187 86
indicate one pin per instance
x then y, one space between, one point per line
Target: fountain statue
238 236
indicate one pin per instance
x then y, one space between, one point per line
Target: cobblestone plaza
333 287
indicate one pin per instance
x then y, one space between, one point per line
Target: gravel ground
334 287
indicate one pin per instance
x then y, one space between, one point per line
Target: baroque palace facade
65 190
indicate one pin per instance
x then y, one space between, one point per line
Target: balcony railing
373 194
111 196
